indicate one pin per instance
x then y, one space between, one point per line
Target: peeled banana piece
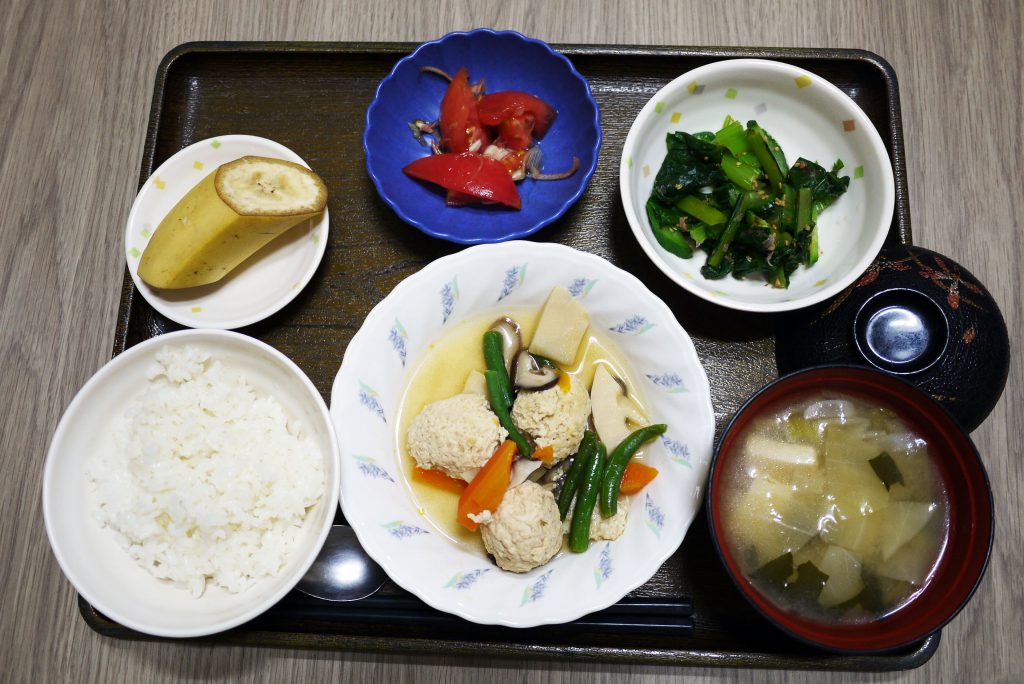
226 218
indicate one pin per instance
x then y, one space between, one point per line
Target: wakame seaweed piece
775 572
871 597
887 470
809 581
691 164
826 186
705 136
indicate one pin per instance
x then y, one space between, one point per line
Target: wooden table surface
75 85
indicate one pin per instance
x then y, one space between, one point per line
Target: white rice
210 481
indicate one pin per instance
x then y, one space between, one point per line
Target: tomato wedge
469 174
460 121
487 489
515 133
495 108
636 477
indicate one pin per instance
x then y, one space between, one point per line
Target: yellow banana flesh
227 218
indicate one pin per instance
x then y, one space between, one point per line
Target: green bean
617 465
575 474
494 358
579 531
504 417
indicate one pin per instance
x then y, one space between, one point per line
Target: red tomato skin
468 174
501 106
460 120
516 133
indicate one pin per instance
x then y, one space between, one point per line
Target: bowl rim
330 494
704 390
460 237
746 590
637 223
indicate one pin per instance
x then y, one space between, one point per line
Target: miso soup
834 508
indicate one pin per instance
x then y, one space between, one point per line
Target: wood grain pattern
75 83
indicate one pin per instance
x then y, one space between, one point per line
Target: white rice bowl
93 443
377 501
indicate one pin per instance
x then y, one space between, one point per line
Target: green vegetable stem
494 359
579 531
617 462
740 171
731 228
575 474
495 394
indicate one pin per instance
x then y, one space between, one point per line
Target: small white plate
810 118
264 283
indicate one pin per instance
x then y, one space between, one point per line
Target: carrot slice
636 477
544 454
438 479
487 489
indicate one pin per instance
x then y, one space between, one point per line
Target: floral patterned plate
377 500
264 283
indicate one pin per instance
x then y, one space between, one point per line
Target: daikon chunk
912 562
773 519
844 576
773 451
858 533
903 521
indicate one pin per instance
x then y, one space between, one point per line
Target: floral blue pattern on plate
435 567
505 60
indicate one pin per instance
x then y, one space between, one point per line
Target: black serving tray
313 97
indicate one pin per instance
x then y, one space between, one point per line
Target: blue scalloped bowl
506 60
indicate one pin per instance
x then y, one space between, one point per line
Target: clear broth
837 511
442 373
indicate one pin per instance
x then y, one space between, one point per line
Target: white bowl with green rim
810 118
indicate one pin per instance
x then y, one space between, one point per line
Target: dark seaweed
886 470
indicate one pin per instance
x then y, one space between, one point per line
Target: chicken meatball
525 531
554 417
455 435
601 528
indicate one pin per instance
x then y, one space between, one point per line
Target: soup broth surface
834 508
442 374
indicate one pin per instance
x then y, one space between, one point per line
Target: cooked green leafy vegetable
732 194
